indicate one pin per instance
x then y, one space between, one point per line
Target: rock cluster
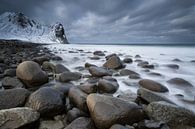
40 94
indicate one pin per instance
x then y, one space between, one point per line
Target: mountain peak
15 25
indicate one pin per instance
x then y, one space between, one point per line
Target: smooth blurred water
158 55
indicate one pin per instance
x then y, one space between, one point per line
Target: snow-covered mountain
20 27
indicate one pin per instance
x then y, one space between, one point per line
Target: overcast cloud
114 21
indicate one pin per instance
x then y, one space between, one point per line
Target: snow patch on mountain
18 26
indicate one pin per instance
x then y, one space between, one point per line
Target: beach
75 86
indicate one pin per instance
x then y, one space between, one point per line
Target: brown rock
152 85
31 74
106 111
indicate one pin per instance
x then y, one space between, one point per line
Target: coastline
56 92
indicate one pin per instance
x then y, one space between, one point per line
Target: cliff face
20 27
59 33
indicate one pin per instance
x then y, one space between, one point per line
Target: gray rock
137 56
15 118
118 126
74 114
57 58
155 74
13 98
171 114
81 123
47 101
177 60
69 76
99 53
31 74
9 83
180 82
99 71
152 85
182 127
106 111
80 68
148 66
63 87
87 65
172 66
108 85
94 57
127 60
134 76
78 98
48 66
125 72
151 124
40 59
88 87
51 124
151 96
128 95
10 72
142 63
59 68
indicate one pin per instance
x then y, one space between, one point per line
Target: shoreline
83 96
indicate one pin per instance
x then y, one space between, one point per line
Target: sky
114 21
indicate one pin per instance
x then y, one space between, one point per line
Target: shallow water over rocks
161 57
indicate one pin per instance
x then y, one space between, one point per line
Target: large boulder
106 111
81 123
113 62
99 71
47 101
152 85
78 98
10 82
108 85
31 74
13 98
16 118
170 113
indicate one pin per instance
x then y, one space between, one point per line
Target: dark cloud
114 21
